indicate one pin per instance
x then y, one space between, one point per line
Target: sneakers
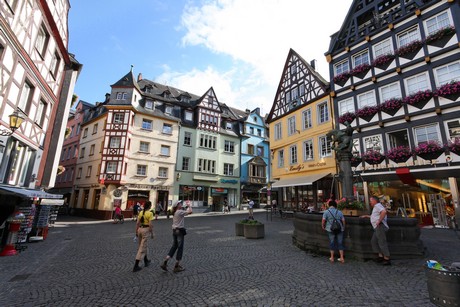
178 268
137 269
164 266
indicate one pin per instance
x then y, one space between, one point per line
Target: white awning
29 193
51 202
303 180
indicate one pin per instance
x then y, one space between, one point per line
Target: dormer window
149 104
185 99
168 110
122 96
228 126
166 94
189 115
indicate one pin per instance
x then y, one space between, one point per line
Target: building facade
302 158
396 72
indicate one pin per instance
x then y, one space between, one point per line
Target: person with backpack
334 223
144 230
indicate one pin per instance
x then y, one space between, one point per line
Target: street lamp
16 120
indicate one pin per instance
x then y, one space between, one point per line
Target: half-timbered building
395 69
302 159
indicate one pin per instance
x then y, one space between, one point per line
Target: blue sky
238 47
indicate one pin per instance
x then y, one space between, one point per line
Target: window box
373 157
454 146
367 113
419 99
355 161
410 50
347 117
342 78
399 154
430 150
383 61
360 71
391 106
441 37
449 90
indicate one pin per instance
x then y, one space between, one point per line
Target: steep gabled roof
128 81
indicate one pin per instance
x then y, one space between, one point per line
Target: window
144 147
278 134
115 142
453 128
382 48
293 69
91 149
291 125
141 170
259 132
308 150
147 124
78 129
293 154
426 133
185 163
69 153
149 104
361 58
118 118
208 141
257 171
341 67
306 119
206 166
407 37
26 97
373 143
390 91
366 100
168 110
88 171
437 23
85 132
251 130
55 63
260 151
63 154
323 113
229 146
42 40
325 145
41 113
167 129
188 139
228 126
448 73
95 129
165 150
250 149
163 172
228 169
417 83
189 115
82 152
281 158
346 105
79 171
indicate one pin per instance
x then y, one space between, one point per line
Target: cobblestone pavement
89 263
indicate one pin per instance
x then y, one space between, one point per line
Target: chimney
139 77
313 64
247 111
107 97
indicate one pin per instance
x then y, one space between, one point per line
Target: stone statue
342 140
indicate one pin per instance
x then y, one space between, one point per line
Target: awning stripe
303 180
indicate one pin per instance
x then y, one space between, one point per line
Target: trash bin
444 287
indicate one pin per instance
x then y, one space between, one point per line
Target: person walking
136 209
251 209
144 230
178 228
378 219
158 209
329 216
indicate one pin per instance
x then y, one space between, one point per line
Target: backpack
336 226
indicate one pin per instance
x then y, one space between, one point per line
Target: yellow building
302 158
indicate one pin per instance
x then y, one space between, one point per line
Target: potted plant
391 106
373 157
342 78
430 150
454 146
361 70
347 117
449 90
399 154
367 113
383 61
409 50
253 229
440 37
419 99
350 206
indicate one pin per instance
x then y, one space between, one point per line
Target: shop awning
303 180
29 193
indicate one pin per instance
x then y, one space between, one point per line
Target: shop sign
138 194
219 191
317 164
148 187
232 181
192 188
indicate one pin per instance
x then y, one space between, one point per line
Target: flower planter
430 155
453 97
361 74
420 104
410 55
391 112
256 231
384 66
341 82
367 118
375 161
356 162
400 159
441 42
239 229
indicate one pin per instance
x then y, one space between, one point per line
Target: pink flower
418 97
411 47
367 111
440 34
454 146
449 89
347 117
428 147
391 104
342 77
360 68
399 152
383 59
373 156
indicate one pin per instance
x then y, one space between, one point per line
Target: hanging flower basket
441 37
342 78
399 154
383 61
430 150
419 99
373 157
391 106
449 90
454 146
367 113
347 117
360 71
410 50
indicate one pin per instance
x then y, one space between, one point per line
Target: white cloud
257 34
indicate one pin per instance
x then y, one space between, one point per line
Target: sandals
331 259
342 260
